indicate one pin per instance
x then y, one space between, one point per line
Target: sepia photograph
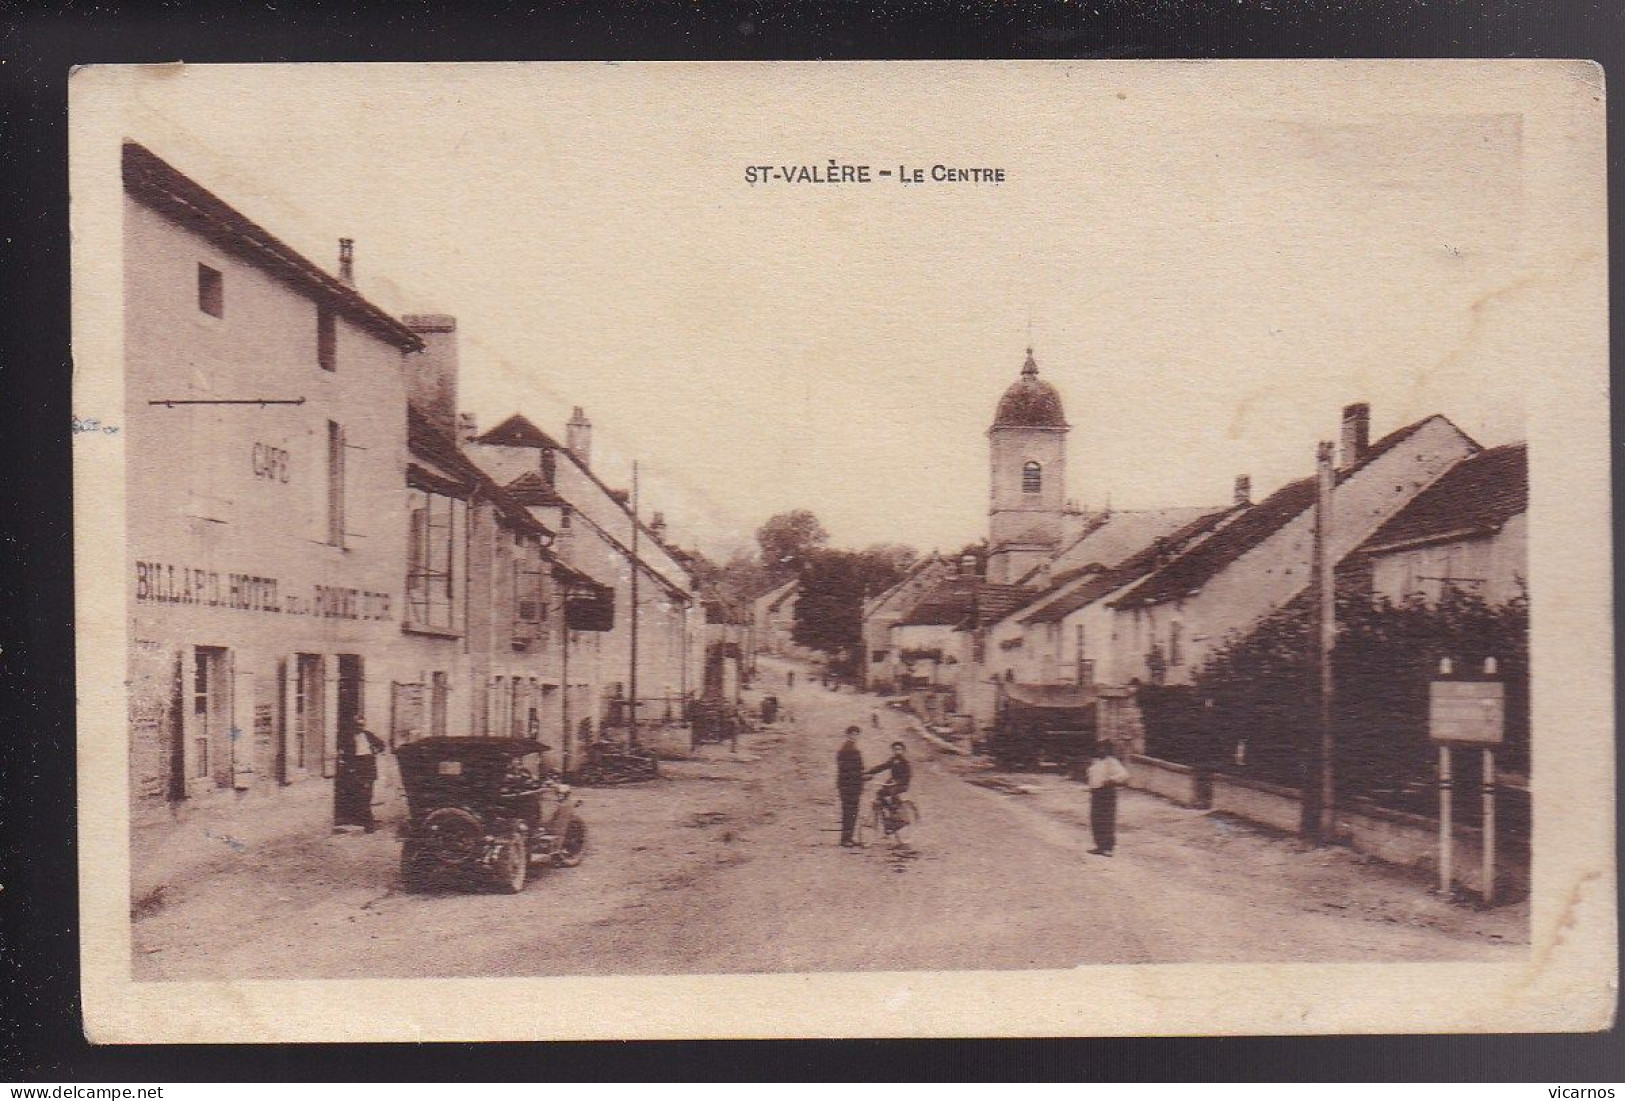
842 549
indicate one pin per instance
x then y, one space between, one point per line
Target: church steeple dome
1030 402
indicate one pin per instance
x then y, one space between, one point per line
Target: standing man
849 783
1106 774
357 771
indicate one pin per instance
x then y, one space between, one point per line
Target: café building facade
266 444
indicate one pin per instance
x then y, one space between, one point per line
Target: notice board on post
1467 712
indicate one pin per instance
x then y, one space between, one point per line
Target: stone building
599 538
1165 626
1110 598
265 439
773 615
882 669
1466 533
1028 512
311 547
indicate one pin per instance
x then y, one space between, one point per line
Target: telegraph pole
1323 565
632 727
564 678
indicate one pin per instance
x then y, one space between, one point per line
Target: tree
1255 699
834 585
786 541
896 557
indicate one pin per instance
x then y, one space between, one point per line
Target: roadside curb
941 743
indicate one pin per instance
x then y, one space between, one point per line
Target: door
309 713
284 767
209 755
349 712
349 720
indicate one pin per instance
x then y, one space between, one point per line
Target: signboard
1467 712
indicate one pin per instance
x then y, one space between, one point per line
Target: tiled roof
994 602
945 604
909 575
426 441
154 181
530 488
517 431
1107 541
964 601
1135 566
1475 497
1190 571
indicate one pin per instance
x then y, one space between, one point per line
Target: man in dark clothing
357 770
899 770
849 776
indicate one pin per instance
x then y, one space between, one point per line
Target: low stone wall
1178 783
1412 841
1257 801
1394 837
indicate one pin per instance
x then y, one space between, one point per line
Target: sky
1208 260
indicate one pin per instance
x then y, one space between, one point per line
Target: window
326 339
529 597
1032 478
433 579
1176 643
878 656
211 291
335 484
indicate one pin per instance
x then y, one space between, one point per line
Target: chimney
347 260
657 526
467 427
1356 433
967 565
578 437
431 375
1244 490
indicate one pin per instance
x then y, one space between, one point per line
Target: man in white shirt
1106 774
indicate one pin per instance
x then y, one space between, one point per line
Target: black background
41 1040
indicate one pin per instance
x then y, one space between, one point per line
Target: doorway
309 713
208 757
349 722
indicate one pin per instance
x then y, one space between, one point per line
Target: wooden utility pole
632 721
1319 790
564 679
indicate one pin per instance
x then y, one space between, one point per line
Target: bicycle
889 816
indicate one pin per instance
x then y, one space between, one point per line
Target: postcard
602 551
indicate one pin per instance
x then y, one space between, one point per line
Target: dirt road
732 865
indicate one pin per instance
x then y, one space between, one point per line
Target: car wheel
574 845
513 865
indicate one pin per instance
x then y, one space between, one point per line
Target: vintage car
481 811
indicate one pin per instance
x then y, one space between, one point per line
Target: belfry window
1032 478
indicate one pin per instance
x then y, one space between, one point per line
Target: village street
730 864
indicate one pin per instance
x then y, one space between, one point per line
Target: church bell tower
1027 458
